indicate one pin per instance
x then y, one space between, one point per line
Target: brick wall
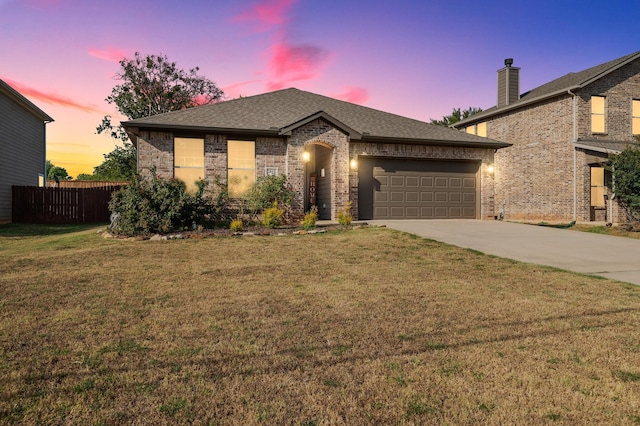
535 177
155 149
320 132
619 88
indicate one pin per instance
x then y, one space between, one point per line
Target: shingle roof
604 146
577 79
571 81
278 112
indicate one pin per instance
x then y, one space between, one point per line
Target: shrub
269 190
210 202
272 217
148 206
310 219
157 205
344 215
625 168
236 225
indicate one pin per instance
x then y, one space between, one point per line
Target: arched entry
318 179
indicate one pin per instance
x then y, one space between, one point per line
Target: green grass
367 326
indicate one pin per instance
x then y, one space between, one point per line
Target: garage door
417 189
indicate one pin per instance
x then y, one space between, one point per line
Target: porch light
491 169
306 156
353 164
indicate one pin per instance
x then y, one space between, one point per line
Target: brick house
331 151
562 134
22 145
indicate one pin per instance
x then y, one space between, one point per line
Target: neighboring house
562 134
331 151
22 145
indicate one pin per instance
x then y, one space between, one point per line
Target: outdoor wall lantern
353 164
306 156
491 169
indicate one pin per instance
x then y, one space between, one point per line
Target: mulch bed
248 231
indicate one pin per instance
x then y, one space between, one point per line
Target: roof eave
491 144
484 115
596 149
610 70
19 98
136 127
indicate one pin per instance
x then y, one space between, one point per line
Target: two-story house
562 134
22 145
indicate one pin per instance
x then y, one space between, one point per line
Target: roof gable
24 102
286 131
559 86
279 112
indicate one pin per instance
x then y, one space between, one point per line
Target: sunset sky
419 59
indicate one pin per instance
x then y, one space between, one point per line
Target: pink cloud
233 91
267 14
289 63
109 54
353 94
49 98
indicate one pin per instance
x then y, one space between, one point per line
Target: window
188 161
482 129
597 114
479 129
635 117
597 187
241 173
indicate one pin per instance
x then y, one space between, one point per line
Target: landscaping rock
156 237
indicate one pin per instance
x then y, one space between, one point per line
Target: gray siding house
332 152
22 145
562 134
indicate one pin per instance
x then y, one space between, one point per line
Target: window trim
190 185
599 185
635 118
254 168
602 114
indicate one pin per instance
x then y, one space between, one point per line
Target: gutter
575 158
435 142
489 113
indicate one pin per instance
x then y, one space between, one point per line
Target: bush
310 219
625 169
236 225
272 217
269 190
344 215
157 205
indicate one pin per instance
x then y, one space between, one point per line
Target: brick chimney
508 84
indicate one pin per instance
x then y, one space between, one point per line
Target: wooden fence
32 204
84 183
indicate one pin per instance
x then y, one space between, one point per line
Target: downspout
575 159
613 194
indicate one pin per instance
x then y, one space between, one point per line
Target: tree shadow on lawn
33 230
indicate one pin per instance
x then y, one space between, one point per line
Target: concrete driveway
611 257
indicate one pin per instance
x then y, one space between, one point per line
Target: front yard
367 326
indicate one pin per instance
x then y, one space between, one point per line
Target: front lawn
368 326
